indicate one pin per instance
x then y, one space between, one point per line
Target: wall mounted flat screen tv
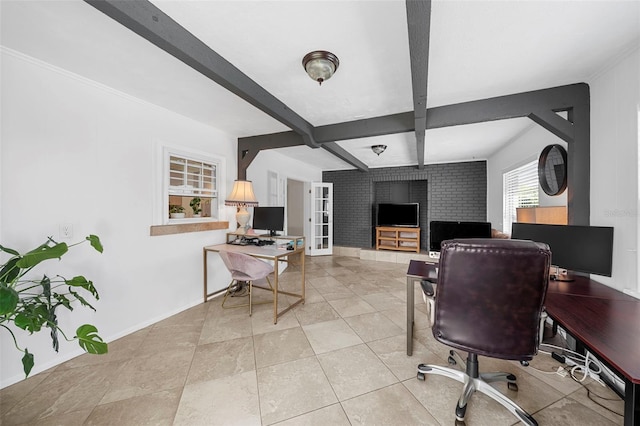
269 218
398 214
587 249
440 230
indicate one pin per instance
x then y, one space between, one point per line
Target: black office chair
489 301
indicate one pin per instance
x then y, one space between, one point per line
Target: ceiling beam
499 108
342 154
554 123
559 98
366 127
419 25
249 147
537 105
151 23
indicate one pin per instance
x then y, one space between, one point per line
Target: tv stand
397 238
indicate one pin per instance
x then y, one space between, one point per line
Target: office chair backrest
244 267
490 296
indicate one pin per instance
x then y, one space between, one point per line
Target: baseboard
402 257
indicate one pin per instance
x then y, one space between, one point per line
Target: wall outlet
66 230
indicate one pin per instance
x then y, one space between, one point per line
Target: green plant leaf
9 271
52 323
27 362
8 299
95 242
63 300
42 253
89 340
81 281
32 316
81 299
9 250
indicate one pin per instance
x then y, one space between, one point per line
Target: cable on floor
578 364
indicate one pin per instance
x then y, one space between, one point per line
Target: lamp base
242 217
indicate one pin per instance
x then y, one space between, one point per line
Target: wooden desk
607 323
603 320
267 252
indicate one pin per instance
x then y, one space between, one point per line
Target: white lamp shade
242 194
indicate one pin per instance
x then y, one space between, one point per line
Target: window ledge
182 228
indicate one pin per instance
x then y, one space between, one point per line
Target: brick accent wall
454 191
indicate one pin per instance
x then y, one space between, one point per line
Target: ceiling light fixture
378 149
320 65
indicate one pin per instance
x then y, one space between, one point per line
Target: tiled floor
337 360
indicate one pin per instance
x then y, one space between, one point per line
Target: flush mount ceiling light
378 149
320 65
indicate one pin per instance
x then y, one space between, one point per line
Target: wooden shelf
397 238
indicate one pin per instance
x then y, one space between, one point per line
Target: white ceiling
478 49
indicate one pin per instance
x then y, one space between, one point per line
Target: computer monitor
440 230
587 249
269 219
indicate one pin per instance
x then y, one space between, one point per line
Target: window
191 187
520 188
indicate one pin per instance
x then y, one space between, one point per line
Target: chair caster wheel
420 376
460 413
451 360
512 386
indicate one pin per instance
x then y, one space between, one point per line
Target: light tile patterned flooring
339 359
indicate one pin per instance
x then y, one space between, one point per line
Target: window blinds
520 188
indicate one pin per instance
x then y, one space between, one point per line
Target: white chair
248 269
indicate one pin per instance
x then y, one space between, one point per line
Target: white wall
286 168
615 102
524 149
76 152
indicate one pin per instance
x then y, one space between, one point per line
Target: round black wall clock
552 169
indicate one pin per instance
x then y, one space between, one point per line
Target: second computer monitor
587 249
269 219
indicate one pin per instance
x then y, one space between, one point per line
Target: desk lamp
242 197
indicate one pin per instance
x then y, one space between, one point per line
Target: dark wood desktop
603 320
607 323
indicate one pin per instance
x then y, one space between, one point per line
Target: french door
321 219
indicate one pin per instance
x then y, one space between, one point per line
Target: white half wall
615 106
77 152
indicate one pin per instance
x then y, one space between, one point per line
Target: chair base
477 382
251 303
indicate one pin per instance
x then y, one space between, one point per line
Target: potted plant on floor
176 211
30 302
195 206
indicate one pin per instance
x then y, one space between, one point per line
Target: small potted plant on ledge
30 302
195 206
176 211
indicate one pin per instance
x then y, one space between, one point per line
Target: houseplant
29 302
176 211
195 206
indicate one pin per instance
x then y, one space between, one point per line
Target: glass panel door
321 241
